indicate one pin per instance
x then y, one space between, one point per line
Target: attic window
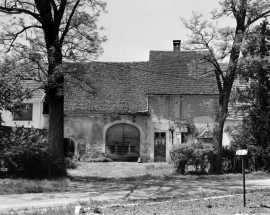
23 112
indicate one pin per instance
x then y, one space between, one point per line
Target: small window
45 106
24 112
81 147
184 137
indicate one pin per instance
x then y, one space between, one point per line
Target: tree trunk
56 111
56 135
218 129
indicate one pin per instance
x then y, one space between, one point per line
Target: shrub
191 154
94 155
25 154
229 160
70 163
181 154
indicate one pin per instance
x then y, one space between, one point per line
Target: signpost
242 153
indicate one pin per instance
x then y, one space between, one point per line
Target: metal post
244 188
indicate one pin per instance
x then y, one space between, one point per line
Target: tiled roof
169 74
120 88
35 88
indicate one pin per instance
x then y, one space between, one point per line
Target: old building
140 109
132 110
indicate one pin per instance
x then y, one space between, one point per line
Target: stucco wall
169 111
92 129
165 112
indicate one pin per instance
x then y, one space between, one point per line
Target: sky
134 27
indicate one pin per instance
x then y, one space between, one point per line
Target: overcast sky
134 27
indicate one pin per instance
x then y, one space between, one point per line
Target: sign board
242 152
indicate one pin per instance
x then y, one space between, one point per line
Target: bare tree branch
69 22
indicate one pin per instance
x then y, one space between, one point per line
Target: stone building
139 109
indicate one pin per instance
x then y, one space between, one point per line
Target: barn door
123 142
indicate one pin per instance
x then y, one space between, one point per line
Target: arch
128 148
69 147
75 143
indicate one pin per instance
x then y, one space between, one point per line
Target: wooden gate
123 142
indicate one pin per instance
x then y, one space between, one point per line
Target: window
184 137
23 112
81 147
45 106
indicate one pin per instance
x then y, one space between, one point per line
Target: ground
129 182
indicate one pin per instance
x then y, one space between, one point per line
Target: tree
36 39
10 95
224 44
256 70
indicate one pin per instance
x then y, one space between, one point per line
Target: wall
170 111
165 112
38 119
91 129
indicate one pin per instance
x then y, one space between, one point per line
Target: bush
25 154
191 154
94 155
70 163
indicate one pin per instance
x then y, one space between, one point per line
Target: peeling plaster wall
165 111
168 111
92 129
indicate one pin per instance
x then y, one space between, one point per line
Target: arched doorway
123 142
69 147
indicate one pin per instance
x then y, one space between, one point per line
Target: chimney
176 45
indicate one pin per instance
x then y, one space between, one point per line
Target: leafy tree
36 39
10 96
254 134
223 44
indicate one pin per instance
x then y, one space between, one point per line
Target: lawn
111 172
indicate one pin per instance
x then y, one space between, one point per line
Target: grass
19 186
120 170
257 202
112 172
